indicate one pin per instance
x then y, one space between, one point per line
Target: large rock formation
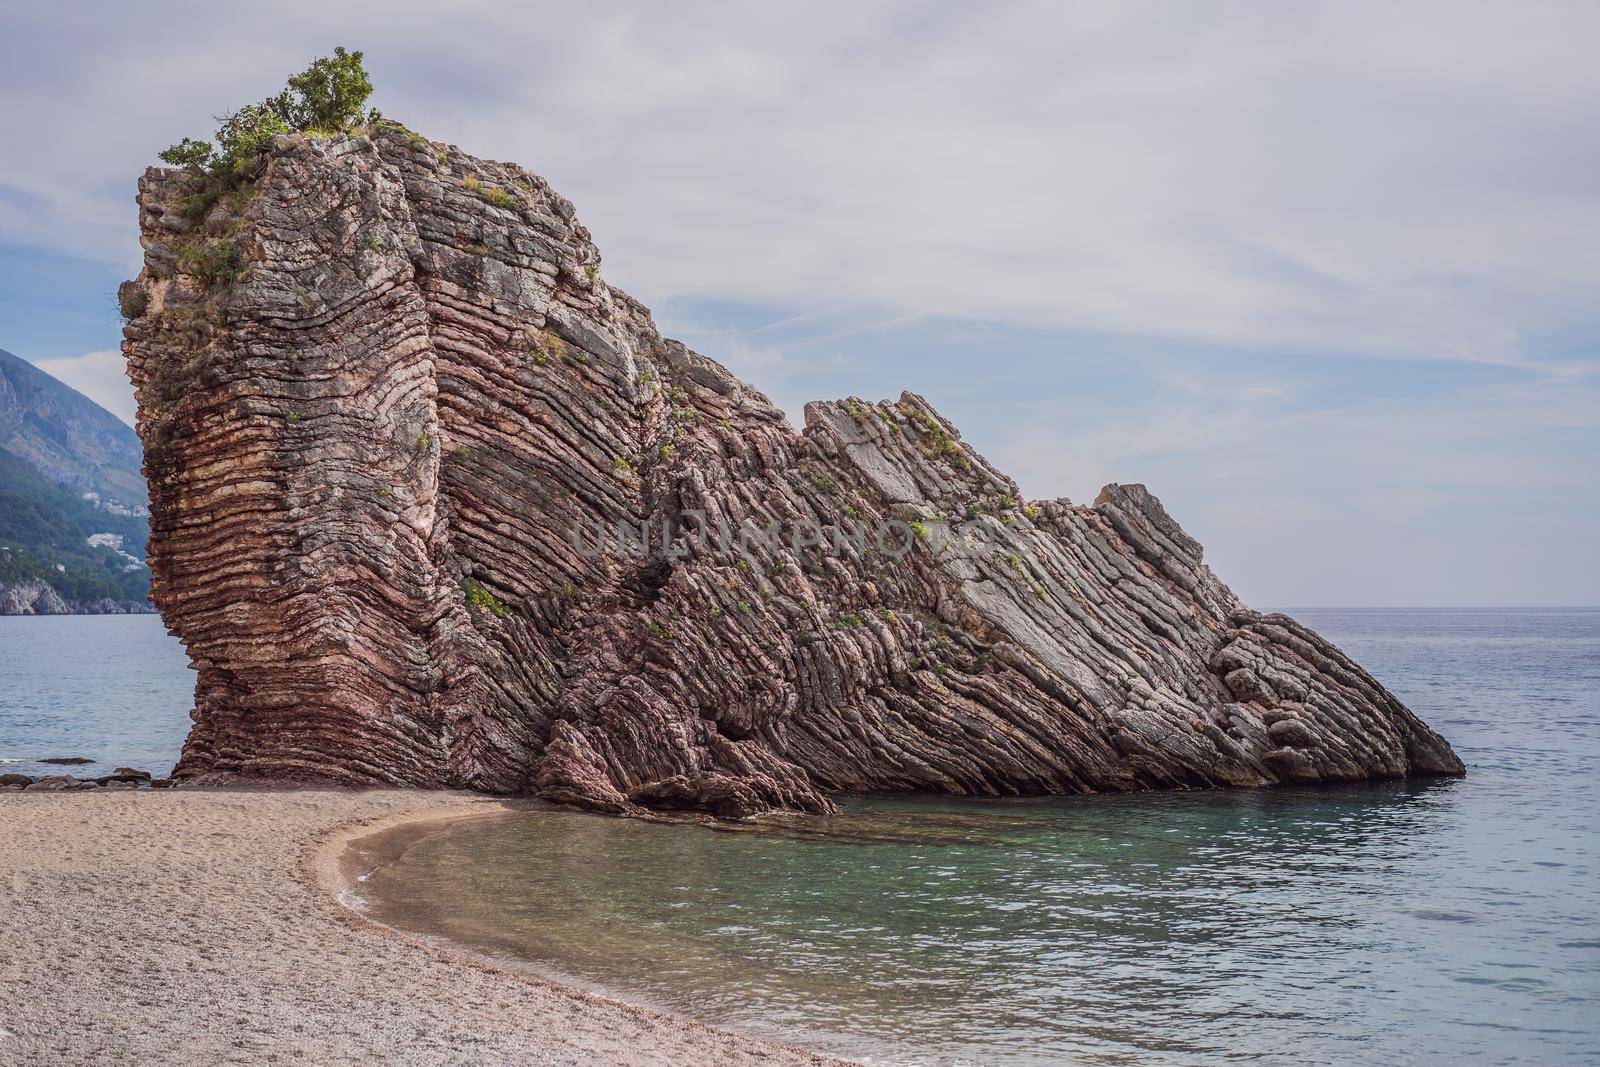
389 406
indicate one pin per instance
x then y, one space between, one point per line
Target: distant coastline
38 597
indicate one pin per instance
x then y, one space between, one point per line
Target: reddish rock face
396 425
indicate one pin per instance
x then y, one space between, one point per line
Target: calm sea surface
1427 922
116 689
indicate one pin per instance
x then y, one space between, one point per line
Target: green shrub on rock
132 300
327 97
211 263
246 134
190 154
480 599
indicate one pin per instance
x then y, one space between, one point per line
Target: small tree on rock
326 97
195 155
246 134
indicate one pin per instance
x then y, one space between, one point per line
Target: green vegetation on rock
326 97
481 599
216 262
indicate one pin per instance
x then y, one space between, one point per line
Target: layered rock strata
404 444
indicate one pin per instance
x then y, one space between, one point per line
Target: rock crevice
391 410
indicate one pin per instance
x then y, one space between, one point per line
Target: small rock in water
67 761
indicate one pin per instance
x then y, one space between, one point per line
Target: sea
1425 922
115 689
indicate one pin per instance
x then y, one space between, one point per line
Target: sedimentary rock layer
396 423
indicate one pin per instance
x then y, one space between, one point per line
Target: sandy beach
203 926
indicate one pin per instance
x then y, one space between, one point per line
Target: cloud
1384 180
1331 481
1321 274
100 376
1466 496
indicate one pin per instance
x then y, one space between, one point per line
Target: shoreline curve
203 925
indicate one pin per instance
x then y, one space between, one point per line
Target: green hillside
67 437
43 524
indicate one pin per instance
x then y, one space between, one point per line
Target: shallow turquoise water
1398 923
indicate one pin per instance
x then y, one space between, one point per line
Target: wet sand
194 926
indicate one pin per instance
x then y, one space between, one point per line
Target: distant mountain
72 501
67 437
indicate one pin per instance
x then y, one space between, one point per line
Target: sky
1323 276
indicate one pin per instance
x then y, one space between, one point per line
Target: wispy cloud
1480 495
1360 178
1322 274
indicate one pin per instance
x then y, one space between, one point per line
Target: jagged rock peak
433 504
